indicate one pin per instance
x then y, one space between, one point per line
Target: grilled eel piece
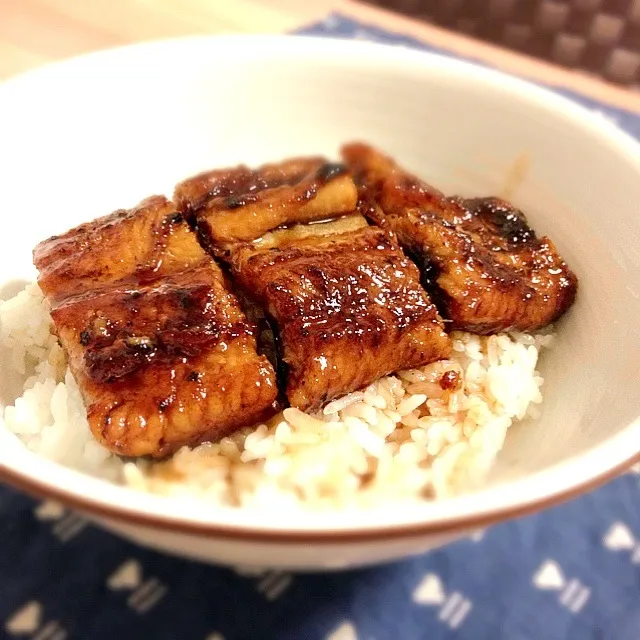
345 304
241 204
482 263
161 350
136 245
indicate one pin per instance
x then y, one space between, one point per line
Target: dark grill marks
480 260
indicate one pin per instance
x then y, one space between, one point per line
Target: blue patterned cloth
572 572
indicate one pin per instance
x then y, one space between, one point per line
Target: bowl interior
99 133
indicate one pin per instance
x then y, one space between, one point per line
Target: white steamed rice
403 437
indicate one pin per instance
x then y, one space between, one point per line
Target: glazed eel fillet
345 304
161 349
482 263
241 204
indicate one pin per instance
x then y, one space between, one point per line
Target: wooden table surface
34 32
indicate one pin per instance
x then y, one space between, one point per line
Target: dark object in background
601 37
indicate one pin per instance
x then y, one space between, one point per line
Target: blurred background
600 37
596 37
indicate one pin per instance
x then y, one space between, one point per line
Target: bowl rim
125 516
591 468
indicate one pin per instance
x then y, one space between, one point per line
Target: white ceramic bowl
82 138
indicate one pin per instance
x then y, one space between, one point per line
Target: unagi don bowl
88 136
